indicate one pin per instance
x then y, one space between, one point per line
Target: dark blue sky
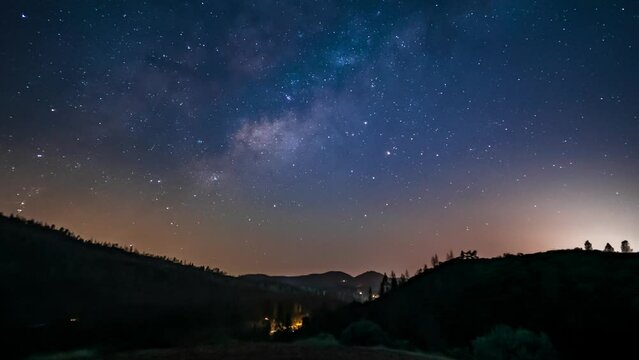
299 136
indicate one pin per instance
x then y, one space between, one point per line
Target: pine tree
402 279
393 280
609 248
434 260
383 285
625 247
587 245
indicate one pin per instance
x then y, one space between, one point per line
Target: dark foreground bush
505 343
364 333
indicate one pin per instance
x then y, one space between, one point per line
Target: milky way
299 136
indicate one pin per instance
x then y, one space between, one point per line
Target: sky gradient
289 137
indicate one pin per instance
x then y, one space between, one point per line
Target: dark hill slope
586 301
61 292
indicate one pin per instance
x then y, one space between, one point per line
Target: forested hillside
60 292
587 302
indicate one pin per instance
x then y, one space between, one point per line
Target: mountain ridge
328 272
338 284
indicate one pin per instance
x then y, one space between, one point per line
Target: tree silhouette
393 280
609 248
587 245
383 285
402 279
434 260
469 255
625 247
449 255
370 294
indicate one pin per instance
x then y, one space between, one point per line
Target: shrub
505 343
364 333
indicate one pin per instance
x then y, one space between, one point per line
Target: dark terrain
587 302
336 284
277 351
61 293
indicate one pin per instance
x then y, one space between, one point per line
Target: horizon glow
293 138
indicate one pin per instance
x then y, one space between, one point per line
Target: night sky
290 137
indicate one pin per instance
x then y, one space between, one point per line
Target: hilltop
587 302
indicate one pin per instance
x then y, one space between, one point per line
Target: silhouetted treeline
583 304
391 283
69 234
61 292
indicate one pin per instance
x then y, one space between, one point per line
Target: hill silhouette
63 292
333 283
587 302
